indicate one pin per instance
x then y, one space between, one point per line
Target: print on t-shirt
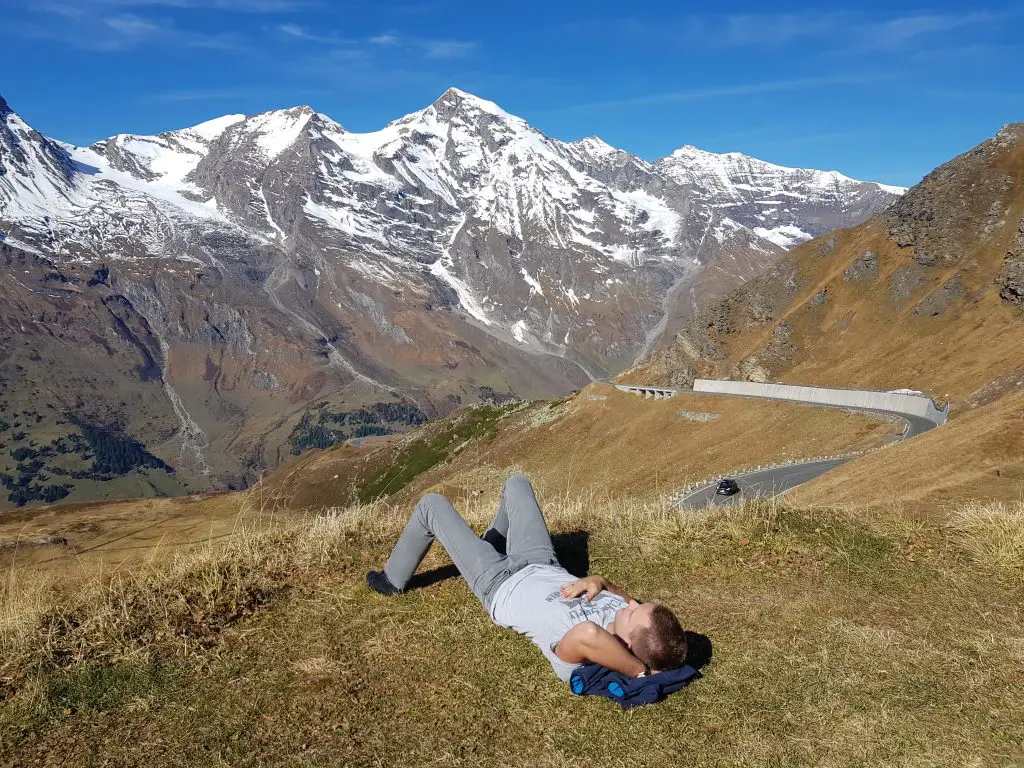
581 609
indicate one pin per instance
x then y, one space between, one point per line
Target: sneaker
380 583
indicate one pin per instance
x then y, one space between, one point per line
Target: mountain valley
216 299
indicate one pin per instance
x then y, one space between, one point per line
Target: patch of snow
276 131
4 238
587 216
270 218
724 229
212 129
787 236
661 218
441 270
891 189
622 253
595 145
534 285
158 190
345 220
519 329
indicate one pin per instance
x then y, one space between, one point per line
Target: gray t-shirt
529 602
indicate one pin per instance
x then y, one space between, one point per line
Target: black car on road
727 487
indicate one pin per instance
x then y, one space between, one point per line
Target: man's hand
588 587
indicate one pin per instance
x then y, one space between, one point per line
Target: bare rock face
776 354
752 369
768 295
239 269
905 281
939 301
939 217
864 269
1011 276
818 299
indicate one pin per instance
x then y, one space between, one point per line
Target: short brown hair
663 644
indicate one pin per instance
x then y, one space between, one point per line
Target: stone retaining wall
915 405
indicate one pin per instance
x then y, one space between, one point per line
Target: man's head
652 633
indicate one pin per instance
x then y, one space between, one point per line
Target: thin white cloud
131 26
431 49
240 6
897 32
843 29
726 91
447 49
301 33
108 33
764 29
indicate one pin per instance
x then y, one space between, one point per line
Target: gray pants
482 562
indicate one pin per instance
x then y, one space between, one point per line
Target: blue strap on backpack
629 692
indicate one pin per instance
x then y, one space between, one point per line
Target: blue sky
881 91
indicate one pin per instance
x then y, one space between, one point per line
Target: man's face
634 616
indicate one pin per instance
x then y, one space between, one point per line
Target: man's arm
589 642
590 586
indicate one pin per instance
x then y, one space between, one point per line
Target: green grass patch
427 452
104 688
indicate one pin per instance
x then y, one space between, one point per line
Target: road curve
762 483
773 481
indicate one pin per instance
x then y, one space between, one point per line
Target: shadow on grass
698 649
572 550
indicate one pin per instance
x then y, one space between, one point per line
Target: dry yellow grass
992 533
840 638
609 442
600 441
979 455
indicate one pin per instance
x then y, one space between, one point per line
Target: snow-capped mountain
455 248
785 205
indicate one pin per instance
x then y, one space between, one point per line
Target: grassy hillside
838 639
977 456
600 441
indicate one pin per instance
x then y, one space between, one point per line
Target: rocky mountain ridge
926 295
428 189
254 265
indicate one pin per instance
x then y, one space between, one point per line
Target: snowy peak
595 145
783 205
35 172
450 173
273 132
454 103
212 130
689 162
460 116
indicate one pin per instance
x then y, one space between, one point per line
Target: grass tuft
992 533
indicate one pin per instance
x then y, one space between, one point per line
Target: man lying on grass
573 621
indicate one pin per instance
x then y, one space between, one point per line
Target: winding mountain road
774 481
